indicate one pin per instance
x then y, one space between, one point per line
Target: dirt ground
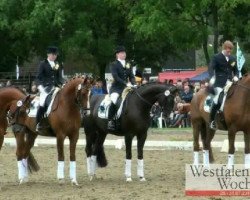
164 171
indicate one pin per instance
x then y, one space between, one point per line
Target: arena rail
119 144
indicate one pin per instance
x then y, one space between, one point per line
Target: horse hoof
142 179
61 181
74 183
128 179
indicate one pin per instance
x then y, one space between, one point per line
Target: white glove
235 79
134 86
129 85
212 81
41 88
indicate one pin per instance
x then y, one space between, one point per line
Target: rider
121 72
49 76
223 67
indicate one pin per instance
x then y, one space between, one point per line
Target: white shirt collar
122 62
227 57
52 63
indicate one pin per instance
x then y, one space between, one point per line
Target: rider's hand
134 86
41 88
129 85
235 79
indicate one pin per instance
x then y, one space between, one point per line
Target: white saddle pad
209 100
35 104
103 110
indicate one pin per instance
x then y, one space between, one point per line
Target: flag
240 59
17 72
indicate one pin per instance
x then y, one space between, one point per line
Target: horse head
18 111
167 99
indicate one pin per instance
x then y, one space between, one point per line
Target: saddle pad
222 98
35 104
103 110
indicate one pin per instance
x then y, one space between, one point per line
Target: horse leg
231 150
29 160
140 163
90 140
60 151
196 146
72 148
98 155
206 140
128 143
247 149
3 131
20 153
210 136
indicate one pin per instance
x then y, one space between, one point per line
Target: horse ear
174 90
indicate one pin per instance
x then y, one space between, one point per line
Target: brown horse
10 98
64 121
237 118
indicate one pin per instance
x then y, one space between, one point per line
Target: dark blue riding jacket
120 75
222 69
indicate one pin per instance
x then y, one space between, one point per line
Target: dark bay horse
9 98
64 121
135 121
237 118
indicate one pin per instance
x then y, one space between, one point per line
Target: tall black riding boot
112 112
39 116
212 116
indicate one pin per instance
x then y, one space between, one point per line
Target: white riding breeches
114 97
43 95
218 90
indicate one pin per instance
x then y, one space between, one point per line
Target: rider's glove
41 88
235 79
129 85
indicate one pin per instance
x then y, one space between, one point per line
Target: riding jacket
223 69
49 76
120 74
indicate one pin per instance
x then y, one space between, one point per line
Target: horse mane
68 82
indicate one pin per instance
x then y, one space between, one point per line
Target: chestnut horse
135 121
64 121
237 118
9 98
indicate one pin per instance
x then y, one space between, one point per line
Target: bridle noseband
79 97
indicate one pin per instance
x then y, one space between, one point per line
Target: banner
240 59
17 72
217 180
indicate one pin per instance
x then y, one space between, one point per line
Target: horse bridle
79 97
145 101
13 116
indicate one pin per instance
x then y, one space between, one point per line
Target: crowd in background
180 116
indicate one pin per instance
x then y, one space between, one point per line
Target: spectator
1 85
203 85
33 89
187 94
98 88
8 84
144 81
155 113
171 82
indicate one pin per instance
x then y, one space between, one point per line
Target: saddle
47 106
103 110
225 94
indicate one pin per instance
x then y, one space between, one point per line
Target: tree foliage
89 30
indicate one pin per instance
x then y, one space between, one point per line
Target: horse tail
101 157
1 140
32 163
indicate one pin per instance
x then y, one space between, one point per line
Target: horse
64 121
236 118
134 121
11 97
